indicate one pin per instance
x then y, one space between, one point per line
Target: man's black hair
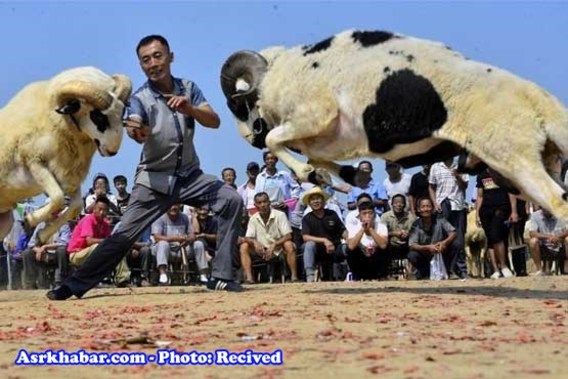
401 196
102 199
364 195
366 205
151 38
228 169
259 195
119 178
266 153
367 162
424 198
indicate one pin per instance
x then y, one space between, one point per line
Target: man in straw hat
322 231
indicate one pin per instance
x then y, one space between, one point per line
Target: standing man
397 181
247 189
447 192
279 185
122 196
366 184
419 188
161 117
229 176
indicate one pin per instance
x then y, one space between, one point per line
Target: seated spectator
322 232
366 245
329 204
429 235
352 218
54 252
367 185
101 188
205 244
549 232
138 258
16 243
89 232
123 196
229 176
172 232
399 222
268 236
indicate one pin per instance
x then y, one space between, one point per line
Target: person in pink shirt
89 232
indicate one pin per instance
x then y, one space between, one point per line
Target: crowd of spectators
393 229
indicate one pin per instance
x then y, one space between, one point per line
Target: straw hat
315 191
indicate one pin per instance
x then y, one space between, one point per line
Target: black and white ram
385 95
49 133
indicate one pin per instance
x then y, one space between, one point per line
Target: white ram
49 133
385 95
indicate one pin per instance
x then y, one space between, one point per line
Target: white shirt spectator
367 242
447 187
401 187
276 227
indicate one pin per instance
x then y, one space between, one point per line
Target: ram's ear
70 107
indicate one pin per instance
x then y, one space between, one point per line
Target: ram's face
104 127
241 77
94 102
250 123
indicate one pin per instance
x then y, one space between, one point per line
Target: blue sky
43 38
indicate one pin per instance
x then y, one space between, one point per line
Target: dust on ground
390 329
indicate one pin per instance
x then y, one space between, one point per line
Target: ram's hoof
42 237
320 177
348 173
27 226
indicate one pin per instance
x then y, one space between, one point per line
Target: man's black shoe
60 293
215 284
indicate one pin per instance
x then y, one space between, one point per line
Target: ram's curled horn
123 87
241 70
72 90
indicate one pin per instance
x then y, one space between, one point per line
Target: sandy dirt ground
514 328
